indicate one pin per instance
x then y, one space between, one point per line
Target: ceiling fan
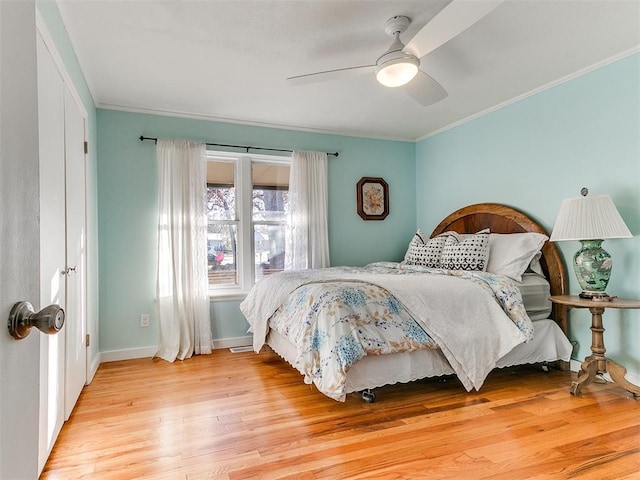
399 66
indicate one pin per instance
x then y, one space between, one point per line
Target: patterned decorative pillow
427 252
418 239
471 253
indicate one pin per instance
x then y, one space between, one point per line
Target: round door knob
22 317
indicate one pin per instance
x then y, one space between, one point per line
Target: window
247 202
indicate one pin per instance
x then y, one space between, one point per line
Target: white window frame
244 220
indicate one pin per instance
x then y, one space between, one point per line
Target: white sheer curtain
308 236
182 285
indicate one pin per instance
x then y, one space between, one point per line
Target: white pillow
511 253
535 266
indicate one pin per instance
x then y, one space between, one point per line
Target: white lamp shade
589 218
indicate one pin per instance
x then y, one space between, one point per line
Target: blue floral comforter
338 315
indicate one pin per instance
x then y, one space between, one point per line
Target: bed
449 308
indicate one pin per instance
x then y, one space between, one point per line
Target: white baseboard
149 352
574 365
233 342
127 354
635 379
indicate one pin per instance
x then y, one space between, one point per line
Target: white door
19 238
52 245
76 351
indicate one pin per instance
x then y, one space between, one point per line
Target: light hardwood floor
247 416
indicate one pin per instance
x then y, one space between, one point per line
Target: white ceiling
229 59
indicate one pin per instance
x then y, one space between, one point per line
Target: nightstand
597 362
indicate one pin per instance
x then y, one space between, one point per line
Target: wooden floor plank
231 416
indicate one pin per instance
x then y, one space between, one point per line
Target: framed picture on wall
372 198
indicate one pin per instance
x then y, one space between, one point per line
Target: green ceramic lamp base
592 266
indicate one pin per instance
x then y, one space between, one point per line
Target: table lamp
590 220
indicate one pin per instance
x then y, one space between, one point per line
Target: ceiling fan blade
452 20
330 75
425 90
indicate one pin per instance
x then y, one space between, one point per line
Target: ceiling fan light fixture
395 69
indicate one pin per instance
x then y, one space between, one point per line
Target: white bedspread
473 327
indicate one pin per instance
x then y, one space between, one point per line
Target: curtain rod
247 148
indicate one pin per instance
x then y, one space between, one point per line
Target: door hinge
88 342
86 147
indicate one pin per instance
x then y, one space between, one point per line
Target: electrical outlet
144 320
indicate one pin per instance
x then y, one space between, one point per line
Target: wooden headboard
503 219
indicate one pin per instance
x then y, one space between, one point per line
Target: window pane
269 241
221 192
270 191
222 255
270 199
270 175
270 205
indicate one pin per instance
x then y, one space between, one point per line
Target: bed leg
368 395
545 367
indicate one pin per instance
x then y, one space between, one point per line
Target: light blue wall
128 211
541 150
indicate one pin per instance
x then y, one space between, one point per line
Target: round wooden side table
597 362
